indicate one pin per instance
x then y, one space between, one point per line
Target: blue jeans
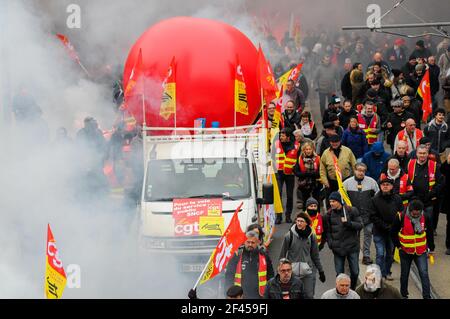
421 262
353 263
385 253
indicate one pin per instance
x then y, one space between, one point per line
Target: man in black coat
284 285
342 226
248 258
435 72
346 113
395 121
333 108
385 206
445 170
437 131
291 118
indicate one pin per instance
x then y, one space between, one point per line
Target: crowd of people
393 164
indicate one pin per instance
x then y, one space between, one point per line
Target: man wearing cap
360 189
396 121
323 142
333 108
370 123
411 135
437 131
396 54
412 233
385 206
342 226
345 160
421 51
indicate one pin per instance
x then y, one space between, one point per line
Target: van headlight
153 243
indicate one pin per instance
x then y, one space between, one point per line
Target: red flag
136 73
425 93
69 47
266 78
228 244
292 74
55 276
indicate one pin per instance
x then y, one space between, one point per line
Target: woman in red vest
307 169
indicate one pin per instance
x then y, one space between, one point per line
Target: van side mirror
267 195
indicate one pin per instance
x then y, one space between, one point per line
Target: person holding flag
342 226
250 268
336 164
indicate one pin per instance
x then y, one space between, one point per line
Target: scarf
415 222
394 177
309 163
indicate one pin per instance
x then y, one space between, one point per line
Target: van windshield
182 178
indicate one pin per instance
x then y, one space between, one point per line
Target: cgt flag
425 93
292 74
228 244
169 95
136 73
55 276
240 92
266 78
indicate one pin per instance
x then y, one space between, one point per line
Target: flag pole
84 69
203 271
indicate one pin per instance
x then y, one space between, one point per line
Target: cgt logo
186 229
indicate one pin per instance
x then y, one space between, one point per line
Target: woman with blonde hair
307 169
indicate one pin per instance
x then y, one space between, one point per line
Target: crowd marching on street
374 134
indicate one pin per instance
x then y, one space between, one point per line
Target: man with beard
250 268
384 207
291 118
284 285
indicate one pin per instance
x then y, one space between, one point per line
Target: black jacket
398 124
346 86
343 239
327 113
344 117
384 209
398 224
274 291
294 122
434 78
440 138
250 264
403 162
421 187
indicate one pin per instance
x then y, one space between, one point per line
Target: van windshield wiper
166 199
224 195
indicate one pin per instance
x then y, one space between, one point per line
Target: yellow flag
169 96
342 190
396 255
55 276
277 204
240 92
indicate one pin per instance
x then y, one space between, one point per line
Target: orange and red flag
55 276
231 240
136 74
69 47
292 74
425 93
266 78
240 91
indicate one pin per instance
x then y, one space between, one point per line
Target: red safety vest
404 137
404 186
431 172
371 138
301 163
286 162
412 243
317 226
262 274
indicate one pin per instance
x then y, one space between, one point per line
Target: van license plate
192 267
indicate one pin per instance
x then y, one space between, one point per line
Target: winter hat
424 140
311 201
387 180
420 43
399 41
334 138
335 196
335 99
396 72
371 93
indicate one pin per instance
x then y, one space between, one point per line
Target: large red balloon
205 52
